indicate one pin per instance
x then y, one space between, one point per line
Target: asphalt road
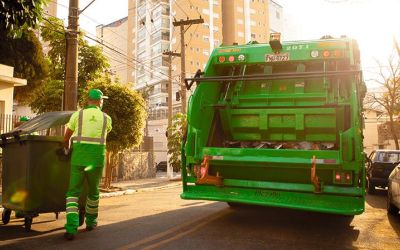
159 219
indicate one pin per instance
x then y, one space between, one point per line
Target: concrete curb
132 191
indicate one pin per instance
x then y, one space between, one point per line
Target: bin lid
41 122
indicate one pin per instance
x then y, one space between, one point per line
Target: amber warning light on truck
275 42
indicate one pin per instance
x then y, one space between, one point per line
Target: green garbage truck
278 124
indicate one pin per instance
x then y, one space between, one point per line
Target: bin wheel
81 216
57 213
28 224
5 216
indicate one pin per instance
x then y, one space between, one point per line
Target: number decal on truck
277 57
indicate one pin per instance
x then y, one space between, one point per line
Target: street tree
25 54
16 16
92 65
388 97
175 134
91 60
126 107
48 97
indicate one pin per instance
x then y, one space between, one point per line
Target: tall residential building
245 21
151 31
115 42
275 17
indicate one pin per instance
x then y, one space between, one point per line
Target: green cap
23 119
96 94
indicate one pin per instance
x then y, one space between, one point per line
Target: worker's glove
63 154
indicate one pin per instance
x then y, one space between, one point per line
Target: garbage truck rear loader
278 124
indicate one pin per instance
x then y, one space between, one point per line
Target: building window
278 15
165 35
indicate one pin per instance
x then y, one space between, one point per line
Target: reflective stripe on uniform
103 130
90 210
72 199
72 210
92 203
79 138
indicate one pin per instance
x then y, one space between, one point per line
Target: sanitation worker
88 129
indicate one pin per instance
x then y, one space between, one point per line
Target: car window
389 157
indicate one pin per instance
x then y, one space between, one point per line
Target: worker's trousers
76 184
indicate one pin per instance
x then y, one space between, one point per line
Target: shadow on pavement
378 199
247 228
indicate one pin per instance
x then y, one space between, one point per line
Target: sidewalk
143 185
140 185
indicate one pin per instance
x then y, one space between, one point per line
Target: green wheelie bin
35 174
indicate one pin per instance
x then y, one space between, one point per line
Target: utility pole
170 54
182 23
71 64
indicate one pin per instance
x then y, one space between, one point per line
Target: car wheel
391 209
370 187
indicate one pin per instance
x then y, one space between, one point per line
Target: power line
190 2
116 51
131 60
181 9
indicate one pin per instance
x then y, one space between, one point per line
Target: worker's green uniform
90 126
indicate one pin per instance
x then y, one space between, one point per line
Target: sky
373 23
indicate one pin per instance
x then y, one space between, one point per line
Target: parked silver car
393 198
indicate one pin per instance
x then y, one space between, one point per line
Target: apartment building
275 17
151 31
115 42
245 21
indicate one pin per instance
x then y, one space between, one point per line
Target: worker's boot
69 236
91 227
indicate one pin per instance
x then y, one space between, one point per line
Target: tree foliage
91 66
25 54
175 137
126 107
15 16
388 98
48 97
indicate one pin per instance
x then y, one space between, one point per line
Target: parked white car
393 198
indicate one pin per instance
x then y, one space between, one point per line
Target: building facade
245 21
115 42
275 17
151 32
